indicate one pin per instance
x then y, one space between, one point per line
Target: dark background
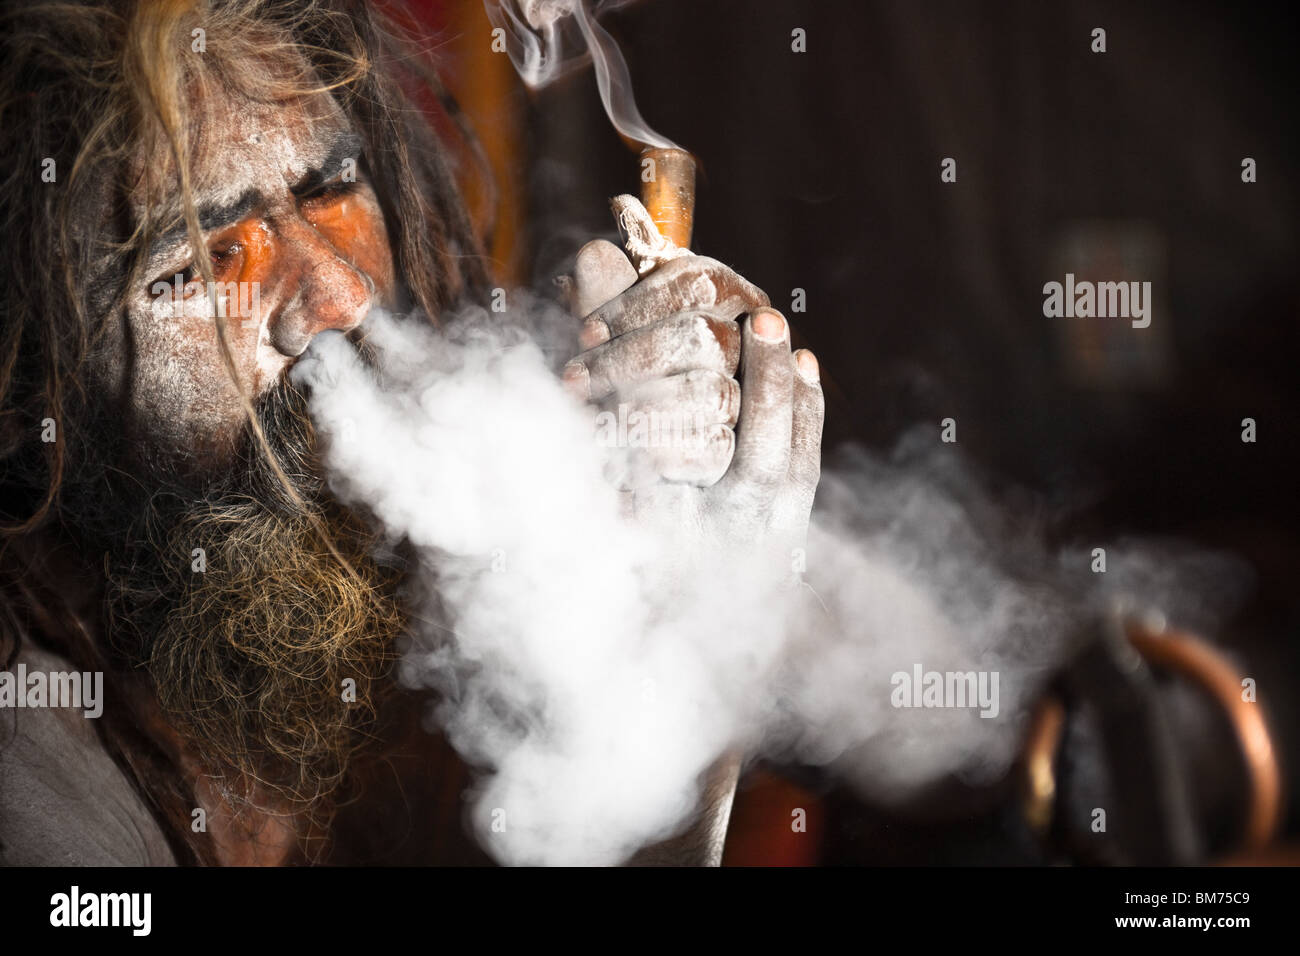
821 170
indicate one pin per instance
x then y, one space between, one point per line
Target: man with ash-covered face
166 522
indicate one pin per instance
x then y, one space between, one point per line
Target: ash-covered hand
717 425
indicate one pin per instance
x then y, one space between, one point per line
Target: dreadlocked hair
88 90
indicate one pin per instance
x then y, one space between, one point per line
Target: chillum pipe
668 191
668 194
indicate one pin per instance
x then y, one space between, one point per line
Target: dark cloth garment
63 801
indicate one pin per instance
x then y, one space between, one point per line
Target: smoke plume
592 668
548 38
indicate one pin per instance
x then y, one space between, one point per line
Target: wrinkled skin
695 341
278 212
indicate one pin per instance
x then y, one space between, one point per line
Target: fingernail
577 380
594 332
808 367
768 325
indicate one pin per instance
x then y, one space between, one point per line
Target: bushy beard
265 651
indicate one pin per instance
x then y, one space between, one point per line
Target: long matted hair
94 87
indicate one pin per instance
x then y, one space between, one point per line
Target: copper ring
1192 657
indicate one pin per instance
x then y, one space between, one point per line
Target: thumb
601 272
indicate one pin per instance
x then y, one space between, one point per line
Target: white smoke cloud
594 667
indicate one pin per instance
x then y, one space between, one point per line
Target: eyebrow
212 216
347 145
216 216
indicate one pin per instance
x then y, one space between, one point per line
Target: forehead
240 146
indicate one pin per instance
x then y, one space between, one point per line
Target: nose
327 292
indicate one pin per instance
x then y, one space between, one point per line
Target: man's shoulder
63 800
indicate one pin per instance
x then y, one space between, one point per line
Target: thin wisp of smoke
548 38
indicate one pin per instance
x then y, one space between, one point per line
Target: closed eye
330 192
189 272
